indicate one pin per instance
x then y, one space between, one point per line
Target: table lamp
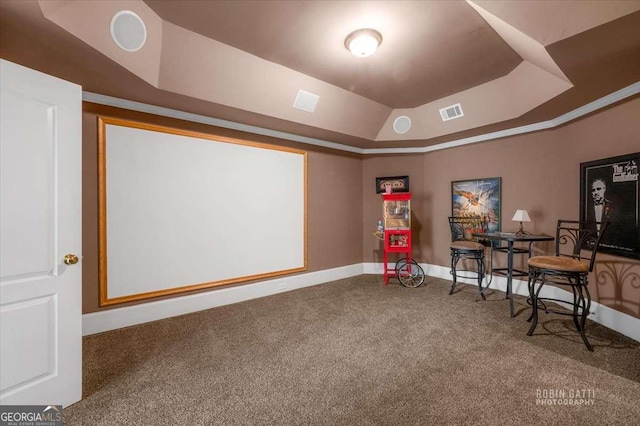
521 216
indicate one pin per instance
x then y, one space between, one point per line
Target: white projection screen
181 210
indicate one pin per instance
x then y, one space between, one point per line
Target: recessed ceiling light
363 42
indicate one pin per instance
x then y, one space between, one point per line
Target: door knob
70 259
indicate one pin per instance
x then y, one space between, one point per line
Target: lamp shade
521 216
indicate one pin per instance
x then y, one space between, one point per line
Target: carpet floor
357 352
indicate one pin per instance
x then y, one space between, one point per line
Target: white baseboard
610 318
111 319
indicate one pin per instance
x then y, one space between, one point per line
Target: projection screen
181 210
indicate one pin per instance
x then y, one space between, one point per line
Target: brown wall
540 173
393 165
334 197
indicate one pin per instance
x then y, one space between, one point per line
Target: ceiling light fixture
363 42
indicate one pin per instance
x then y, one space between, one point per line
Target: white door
40 215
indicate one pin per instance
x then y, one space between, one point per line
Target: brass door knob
70 259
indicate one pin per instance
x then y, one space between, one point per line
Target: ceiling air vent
451 112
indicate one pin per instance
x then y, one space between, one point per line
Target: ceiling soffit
430 49
217 72
73 16
498 100
549 23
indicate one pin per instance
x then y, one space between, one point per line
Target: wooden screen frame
104 299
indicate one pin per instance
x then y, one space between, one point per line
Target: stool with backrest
568 268
464 246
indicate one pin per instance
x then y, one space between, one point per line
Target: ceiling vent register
451 112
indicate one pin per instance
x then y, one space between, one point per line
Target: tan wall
334 189
540 173
395 165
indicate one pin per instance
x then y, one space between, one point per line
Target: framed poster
479 198
609 192
396 183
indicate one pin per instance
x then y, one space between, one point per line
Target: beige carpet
356 352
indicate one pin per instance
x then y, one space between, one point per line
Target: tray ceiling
508 63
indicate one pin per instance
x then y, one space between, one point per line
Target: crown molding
203 119
197 118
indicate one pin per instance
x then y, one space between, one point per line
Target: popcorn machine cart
396 208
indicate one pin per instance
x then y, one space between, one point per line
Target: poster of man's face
609 193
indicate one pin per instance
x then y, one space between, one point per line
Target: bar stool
568 269
465 246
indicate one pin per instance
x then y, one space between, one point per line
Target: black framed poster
609 193
395 184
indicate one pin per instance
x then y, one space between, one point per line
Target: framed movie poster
395 184
609 193
479 198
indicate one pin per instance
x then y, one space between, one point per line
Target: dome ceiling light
363 42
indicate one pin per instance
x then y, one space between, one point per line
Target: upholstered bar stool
465 246
566 269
